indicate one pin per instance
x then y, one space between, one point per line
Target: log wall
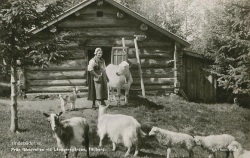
88 31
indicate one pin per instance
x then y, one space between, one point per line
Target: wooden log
153 63
153 72
153 42
78 54
102 32
54 89
139 67
150 53
80 64
154 81
153 87
98 42
147 43
70 46
55 75
108 20
69 82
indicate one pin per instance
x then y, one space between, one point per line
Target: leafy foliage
228 43
17 19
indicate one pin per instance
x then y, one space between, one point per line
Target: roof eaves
63 15
192 53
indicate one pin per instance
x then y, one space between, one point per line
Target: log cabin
154 53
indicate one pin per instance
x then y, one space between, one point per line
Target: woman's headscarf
97 49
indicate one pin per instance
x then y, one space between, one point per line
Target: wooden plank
189 79
194 74
53 89
118 54
69 82
80 64
154 72
154 81
55 75
153 63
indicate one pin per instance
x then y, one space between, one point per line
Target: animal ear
59 114
232 147
107 105
46 115
98 103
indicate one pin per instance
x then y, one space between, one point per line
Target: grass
161 111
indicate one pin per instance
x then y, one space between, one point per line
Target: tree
227 42
17 18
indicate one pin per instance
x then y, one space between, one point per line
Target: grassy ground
179 116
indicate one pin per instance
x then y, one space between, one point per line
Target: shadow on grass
23 130
144 154
135 100
100 156
80 109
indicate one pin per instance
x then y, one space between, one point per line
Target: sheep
71 98
173 139
120 129
69 132
238 151
214 143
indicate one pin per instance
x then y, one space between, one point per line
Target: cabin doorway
106 54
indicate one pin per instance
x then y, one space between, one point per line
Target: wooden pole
139 67
123 42
176 82
123 45
175 65
13 104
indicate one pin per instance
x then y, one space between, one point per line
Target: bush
243 100
5 91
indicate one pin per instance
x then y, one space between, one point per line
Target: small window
99 13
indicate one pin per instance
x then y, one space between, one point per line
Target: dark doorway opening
106 54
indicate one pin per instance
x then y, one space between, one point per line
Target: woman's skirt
98 90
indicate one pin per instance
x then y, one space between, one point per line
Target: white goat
173 139
69 132
238 151
71 98
214 143
120 129
120 78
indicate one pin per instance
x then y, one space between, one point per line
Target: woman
98 79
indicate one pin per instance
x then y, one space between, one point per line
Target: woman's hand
97 78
